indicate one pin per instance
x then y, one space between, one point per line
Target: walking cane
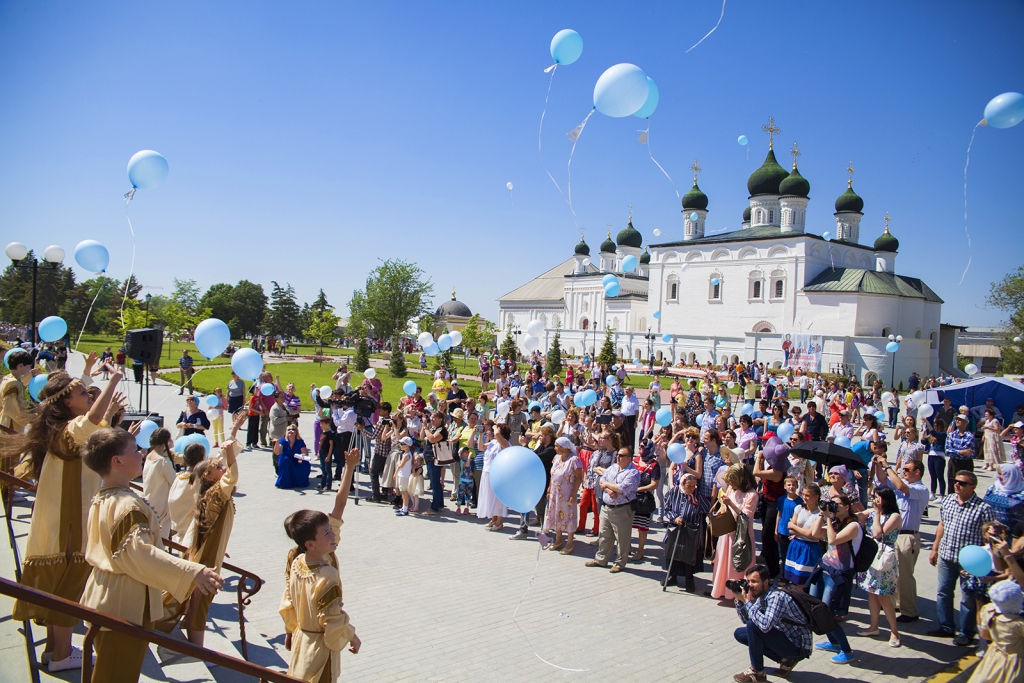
671 558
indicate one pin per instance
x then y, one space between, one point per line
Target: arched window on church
672 288
510 320
554 321
934 337
755 292
584 324
615 323
771 216
543 319
778 289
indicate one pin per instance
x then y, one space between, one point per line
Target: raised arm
341 500
100 405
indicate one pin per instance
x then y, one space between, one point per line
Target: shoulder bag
721 521
885 557
443 453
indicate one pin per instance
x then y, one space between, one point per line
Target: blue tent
1007 395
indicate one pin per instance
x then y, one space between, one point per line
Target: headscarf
564 442
842 471
1012 480
1007 597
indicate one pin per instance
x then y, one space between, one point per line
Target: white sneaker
73 661
932 497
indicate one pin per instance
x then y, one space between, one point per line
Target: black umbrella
828 454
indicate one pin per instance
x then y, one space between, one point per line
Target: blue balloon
444 342
694 216
532 405
975 560
615 367
676 452
699 420
842 441
785 431
212 337
267 388
36 384
1005 111
432 349
409 387
714 280
52 328
579 400
591 397
608 279
621 90
92 256
184 441
629 264
518 478
651 103
610 380
147 169
656 315
772 381
892 347
247 364
7 356
566 46
879 415
612 290
667 338
747 409
146 430
742 140
212 401
826 236
663 416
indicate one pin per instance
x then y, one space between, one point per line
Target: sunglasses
958 482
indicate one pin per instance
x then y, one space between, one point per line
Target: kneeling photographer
775 626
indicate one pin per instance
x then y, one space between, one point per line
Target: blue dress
292 473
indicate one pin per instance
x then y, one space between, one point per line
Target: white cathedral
743 295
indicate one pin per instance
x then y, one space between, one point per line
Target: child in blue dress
464 497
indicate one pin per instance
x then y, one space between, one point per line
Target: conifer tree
396 365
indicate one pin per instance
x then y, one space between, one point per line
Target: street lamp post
895 339
18 253
516 331
650 347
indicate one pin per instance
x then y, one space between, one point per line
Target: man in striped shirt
186 370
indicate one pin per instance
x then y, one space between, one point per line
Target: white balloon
370 373
971 369
325 392
456 338
530 343
558 416
502 409
425 339
1017 340
535 328
925 411
657 233
919 398
508 185
886 397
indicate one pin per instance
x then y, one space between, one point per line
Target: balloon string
528 587
153 411
574 135
131 270
647 140
712 30
87 313
966 231
552 69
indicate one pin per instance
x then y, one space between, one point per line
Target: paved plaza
433 599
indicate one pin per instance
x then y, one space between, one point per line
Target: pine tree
508 347
362 357
397 363
607 355
555 355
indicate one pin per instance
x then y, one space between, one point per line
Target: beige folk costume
312 611
130 571
55 553
14 413
182 500
157 478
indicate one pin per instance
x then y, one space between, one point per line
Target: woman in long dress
740 496
1000 623
883 523
993 441
488 505
683 507
292 463
566 476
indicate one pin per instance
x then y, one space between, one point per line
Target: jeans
325 473
824 588
774 645
377 469
341 444
957 465
803 395
436 487
949 574
894 413
937 472
252 434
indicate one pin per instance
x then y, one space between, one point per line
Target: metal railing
99 620
10 482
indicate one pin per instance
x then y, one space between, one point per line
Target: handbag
683 541
742 553
644 503
443 453
722 522
885 558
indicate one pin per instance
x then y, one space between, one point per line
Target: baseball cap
407 440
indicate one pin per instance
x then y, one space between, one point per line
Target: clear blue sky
307 140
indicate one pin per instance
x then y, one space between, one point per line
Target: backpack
866 555
819 616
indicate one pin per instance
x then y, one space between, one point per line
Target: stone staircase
161 665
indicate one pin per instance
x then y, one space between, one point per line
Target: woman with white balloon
992 442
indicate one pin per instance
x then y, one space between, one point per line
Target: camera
603 419
362 405
737 586
830 505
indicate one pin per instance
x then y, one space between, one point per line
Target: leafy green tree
1008 296
134 315
426 323
362 358
607 355
99 293
249 303
396 292
186 295
322 328
508 347
396 364
477 336
555 354
283 316
53 285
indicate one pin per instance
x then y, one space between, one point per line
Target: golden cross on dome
887 221
771 130
583 232
696 169
849 169
453 292
795 152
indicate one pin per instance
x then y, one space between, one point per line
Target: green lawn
168 356
304 374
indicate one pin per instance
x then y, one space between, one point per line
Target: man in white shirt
630 407
345 425
805 384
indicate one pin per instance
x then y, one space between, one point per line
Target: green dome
695 199
629 237
582 249
795 185
608 247
645 258
746 215
849 201
887 242
766 179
